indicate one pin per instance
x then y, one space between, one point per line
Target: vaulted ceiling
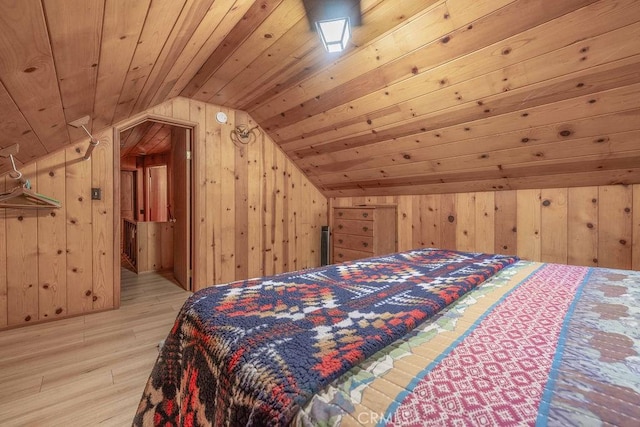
430 96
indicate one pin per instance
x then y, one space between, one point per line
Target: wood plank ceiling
431 96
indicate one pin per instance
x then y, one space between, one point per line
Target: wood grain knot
623 242
59 310
565 133
589 225
95 298
451 218
88 293
29 70
20 218
26 319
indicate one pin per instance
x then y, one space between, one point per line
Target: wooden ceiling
146 139
431 96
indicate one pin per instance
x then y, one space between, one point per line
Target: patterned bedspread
537 344
253 352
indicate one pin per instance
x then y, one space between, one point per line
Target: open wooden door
181 171
127 194
157 204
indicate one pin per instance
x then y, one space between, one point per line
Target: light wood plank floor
88 370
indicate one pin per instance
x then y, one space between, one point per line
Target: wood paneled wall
592 226
155 246
257 214
59 262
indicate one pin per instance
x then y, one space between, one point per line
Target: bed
423 337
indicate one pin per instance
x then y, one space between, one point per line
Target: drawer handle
365 228
365 214
340 226
365 244
340 213
340 255
339 240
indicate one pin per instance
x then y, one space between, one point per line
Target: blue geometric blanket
252 352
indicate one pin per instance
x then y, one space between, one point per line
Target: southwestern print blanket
252 352
537 344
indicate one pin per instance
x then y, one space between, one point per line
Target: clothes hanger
22 197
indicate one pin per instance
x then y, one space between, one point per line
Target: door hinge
188 155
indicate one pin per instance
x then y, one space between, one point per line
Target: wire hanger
22 197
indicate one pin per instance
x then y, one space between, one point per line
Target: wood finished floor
88 370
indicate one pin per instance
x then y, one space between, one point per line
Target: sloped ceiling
431 95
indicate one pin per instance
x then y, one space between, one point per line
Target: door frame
195 197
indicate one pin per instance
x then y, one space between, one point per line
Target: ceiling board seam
136 106
308 46
194 85
265 98
124 80
55 67
283 123
524 149
13 101
528 102
213 31
403 56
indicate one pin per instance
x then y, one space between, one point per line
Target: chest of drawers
363 231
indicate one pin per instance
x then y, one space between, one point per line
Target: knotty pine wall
592 226
60 262
258 215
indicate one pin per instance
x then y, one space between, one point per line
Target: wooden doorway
156 195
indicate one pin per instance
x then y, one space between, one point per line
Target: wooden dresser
363 231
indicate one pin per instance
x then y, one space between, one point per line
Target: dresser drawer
351 226
361 214
342 254
354 242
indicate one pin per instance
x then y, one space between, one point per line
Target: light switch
96 194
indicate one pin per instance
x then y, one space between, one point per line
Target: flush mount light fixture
334 33
333 20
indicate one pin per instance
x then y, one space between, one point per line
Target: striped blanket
537 344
